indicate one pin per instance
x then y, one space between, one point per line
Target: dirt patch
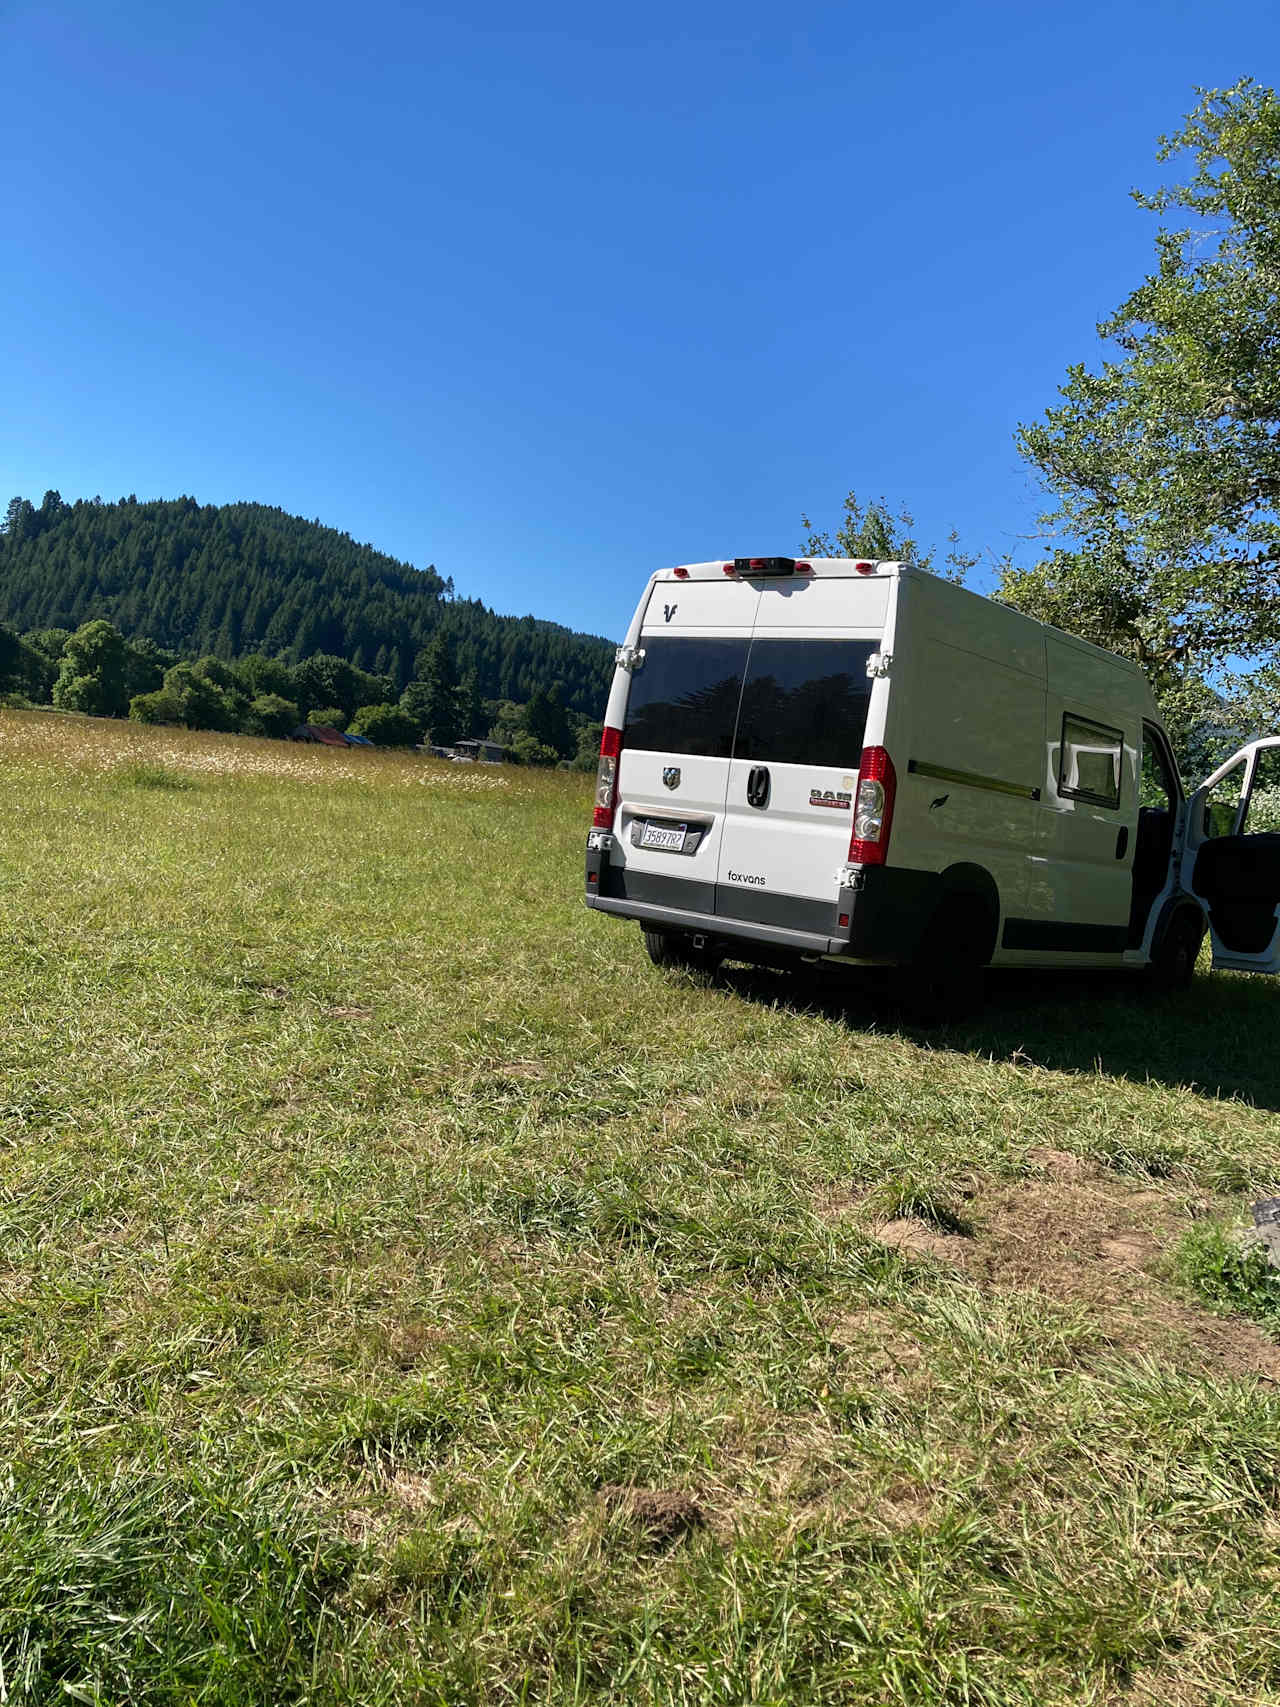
520 1070
349 1013
409 1344
1060 1164
919 1238
414 1492
1084 1237
662 1515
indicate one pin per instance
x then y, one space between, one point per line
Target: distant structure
324 736
487 752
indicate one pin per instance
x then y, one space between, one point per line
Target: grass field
407 1294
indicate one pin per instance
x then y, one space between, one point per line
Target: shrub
386 726
269 714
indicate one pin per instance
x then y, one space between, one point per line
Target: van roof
837 567
862 569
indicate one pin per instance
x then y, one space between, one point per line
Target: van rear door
1231 857
789 804
673 772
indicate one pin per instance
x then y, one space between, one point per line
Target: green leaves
1165 459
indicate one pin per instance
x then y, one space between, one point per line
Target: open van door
1231 857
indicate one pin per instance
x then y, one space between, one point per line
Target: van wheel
1173 959
674 950
948 982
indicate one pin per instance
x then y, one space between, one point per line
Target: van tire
673 950
1174 955
946 981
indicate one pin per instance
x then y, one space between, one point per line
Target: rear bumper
658 917
886 911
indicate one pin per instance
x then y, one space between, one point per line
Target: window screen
1089 762
804 702
684 697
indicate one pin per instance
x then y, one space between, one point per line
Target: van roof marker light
681 573
864 566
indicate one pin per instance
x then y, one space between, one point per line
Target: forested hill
232 579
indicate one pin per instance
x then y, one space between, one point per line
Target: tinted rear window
805 702
684 698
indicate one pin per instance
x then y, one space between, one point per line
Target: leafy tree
261 675
190 696
157 707
93 673
873 530
587 755
328 717
386 726
1164 459
145 665
526 749
270 714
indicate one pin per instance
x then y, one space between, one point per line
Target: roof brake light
681 574
864 567
770 566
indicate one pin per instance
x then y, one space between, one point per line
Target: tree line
98 671
237 580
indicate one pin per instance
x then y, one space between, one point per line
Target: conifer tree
437 704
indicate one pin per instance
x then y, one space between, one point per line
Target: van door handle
1122 841
758 787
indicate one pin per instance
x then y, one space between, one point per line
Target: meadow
408 1294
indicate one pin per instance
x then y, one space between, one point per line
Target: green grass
407 1294
1229 1275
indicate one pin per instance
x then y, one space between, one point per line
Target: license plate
668 836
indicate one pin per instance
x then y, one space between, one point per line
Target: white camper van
859 761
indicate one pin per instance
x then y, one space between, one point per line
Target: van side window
684 698
1089 762
804 702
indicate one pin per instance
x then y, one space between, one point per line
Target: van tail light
873 808
607 779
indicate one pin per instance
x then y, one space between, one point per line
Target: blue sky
553 300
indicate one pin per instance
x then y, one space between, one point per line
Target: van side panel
965 733
1077 909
